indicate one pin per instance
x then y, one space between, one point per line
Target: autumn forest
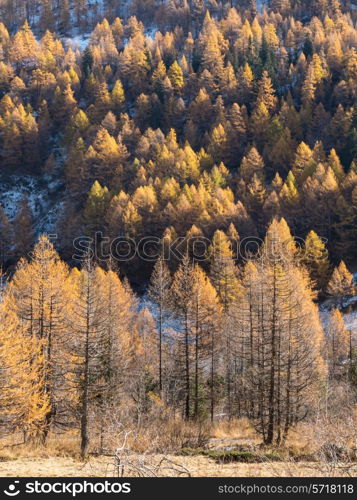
199 159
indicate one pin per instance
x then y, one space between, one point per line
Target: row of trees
66 17
69 16
76 351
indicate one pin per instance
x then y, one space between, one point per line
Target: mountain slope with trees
222 135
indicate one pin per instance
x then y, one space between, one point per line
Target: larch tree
315 256
181 299
287 335
303 160
23 401
244 321
87 322
223 272
118 96
224 277
24 48
95 208
102 321
176 76
340 285
37 296
252 164
118 307
266 92
205 311
159 289
143 383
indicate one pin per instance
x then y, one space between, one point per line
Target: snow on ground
350 317
78 42
170 323
151 32
351 320
173 325
348 306
42 195
260 5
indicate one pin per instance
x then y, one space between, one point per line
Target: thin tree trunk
160 351
271 421
84 415
196 376
50 413
212 375
187 359
288 382
196 364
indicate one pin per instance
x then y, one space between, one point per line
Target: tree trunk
84 415
187 360
271 419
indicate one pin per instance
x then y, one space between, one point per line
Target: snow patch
78 42
42 195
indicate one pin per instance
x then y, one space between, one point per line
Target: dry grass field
198 466
142 455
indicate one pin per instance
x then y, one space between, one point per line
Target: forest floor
198 466
229 450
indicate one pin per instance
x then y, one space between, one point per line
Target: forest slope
202 153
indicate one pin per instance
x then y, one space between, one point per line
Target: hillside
178 229
257 96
